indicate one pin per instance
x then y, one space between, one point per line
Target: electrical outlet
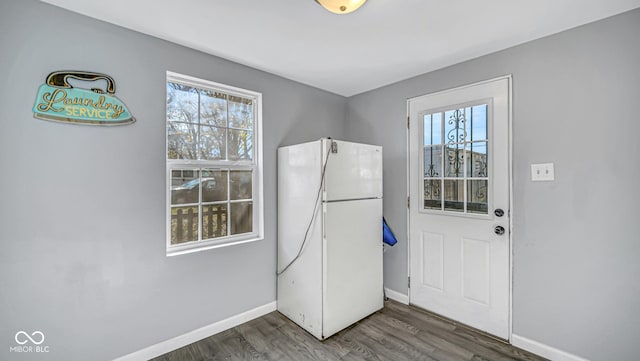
542 172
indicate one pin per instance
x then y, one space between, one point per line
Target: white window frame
256 165
489 141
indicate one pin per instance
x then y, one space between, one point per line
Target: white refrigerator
329 234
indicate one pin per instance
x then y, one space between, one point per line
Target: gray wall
82 215
575 242
82 212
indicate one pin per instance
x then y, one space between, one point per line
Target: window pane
432 195
185 185
453 195
182 103
454 161
241 184
240 113
213 108
433 129
213 142
214 185
214 221
454 121
181 141
477 123
240 145
477 159
477 195
210 157
186 173
433 161
184 224
241 216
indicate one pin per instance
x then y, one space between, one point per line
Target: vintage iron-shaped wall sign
57 100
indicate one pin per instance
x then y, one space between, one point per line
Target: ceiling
384 42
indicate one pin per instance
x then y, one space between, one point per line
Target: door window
455 167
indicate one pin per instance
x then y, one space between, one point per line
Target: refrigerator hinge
409 282
408 122
408 202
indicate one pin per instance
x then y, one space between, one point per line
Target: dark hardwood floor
396 333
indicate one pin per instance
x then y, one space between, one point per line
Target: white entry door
459 204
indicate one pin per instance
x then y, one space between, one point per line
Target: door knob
499 230
498 212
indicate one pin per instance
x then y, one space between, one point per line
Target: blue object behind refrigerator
387 236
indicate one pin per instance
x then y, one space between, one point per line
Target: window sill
203 246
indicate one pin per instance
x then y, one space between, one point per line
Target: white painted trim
510 213
205 246
198 334
455 88
543 350
397 296
408 138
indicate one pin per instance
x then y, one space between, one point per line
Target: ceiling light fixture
341 6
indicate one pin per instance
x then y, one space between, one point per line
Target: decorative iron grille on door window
456 147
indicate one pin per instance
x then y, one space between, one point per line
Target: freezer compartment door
354 172
352 284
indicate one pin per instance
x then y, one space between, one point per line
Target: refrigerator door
298 184
354 172
352 262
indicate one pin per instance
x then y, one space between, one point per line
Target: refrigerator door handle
324 216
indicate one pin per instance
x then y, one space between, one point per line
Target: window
214 165
455 159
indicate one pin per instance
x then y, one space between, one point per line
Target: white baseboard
397 296
196 335
543 350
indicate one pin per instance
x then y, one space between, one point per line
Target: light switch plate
542 172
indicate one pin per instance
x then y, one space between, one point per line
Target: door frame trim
509 77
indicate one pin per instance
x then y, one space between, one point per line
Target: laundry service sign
59 100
